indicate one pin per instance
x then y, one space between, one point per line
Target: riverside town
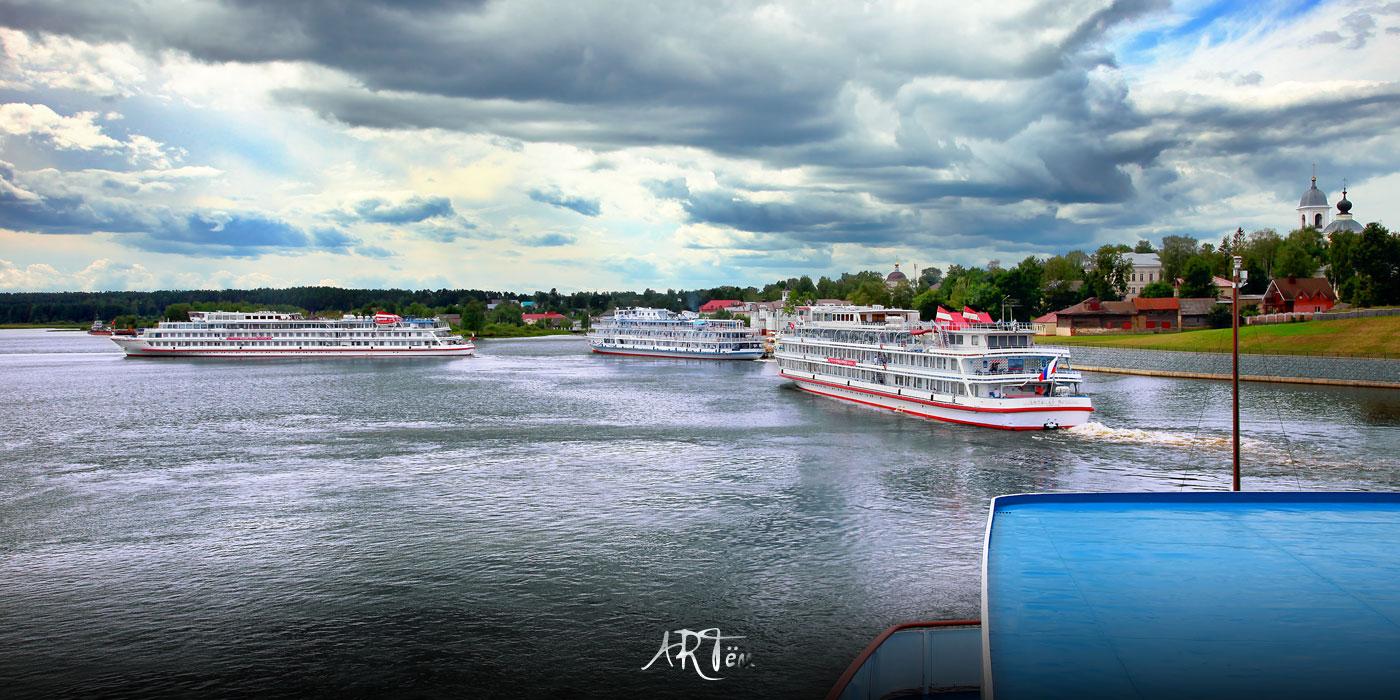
754 350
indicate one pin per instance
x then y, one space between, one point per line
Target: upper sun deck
920 336
243 316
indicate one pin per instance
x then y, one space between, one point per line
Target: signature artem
689 642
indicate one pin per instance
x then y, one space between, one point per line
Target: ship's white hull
682 354
1037 413
135 347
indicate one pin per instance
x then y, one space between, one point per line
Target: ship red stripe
196 350
940 404
924 415
669 357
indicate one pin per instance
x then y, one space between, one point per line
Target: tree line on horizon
1364 268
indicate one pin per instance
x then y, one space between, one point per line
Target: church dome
1344 221
896 276
1313 197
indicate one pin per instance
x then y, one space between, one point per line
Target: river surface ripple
531 521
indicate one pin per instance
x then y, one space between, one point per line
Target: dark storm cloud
553 197
1048 131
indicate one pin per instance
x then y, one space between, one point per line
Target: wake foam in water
1099 431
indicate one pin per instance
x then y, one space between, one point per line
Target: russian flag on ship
1049 368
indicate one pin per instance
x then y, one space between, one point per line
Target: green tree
1144 247
1197 281
418 309
474 316
930 276
1157 290
1107 278
507 313
871 292
1175 252
177 312
1293 261
902 296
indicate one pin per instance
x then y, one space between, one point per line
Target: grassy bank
60 326
1365 336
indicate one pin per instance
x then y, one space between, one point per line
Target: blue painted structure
1192 595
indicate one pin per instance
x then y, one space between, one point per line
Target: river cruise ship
271 334
987 374
661 333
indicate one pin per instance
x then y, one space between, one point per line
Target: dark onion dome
1313 197
896 275
1343 222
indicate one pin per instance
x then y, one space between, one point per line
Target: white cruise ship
271 334
661 333
987 374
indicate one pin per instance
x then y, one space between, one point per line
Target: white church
1313 211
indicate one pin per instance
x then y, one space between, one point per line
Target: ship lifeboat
382 318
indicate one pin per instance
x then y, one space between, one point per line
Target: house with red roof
550 319
1156 315
717 304
1299 294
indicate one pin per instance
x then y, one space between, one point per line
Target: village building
716 305
1141 315
1195 313
1156 315
550 319
1299 295
1147 268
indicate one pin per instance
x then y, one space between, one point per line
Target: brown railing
869 650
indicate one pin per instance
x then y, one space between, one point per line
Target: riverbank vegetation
1363 266
1367 336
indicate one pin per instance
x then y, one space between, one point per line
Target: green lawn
1368 336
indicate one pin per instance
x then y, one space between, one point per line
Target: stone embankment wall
1352 371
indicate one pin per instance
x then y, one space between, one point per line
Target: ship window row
890 379
285 344
878 357
286 334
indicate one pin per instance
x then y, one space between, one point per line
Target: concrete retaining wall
1353 371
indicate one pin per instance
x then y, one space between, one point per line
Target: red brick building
1302 295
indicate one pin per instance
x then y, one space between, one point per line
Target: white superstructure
661 333
272 334
987 374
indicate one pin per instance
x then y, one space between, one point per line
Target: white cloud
77 132
35 277
105 70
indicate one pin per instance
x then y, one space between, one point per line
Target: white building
1147 268
1312 208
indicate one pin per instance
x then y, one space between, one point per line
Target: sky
579 145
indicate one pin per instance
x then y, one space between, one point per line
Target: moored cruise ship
987 374
661 333
272 334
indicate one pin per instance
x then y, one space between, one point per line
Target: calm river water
531 521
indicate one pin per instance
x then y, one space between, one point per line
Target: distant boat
98 329
662 333
273 334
